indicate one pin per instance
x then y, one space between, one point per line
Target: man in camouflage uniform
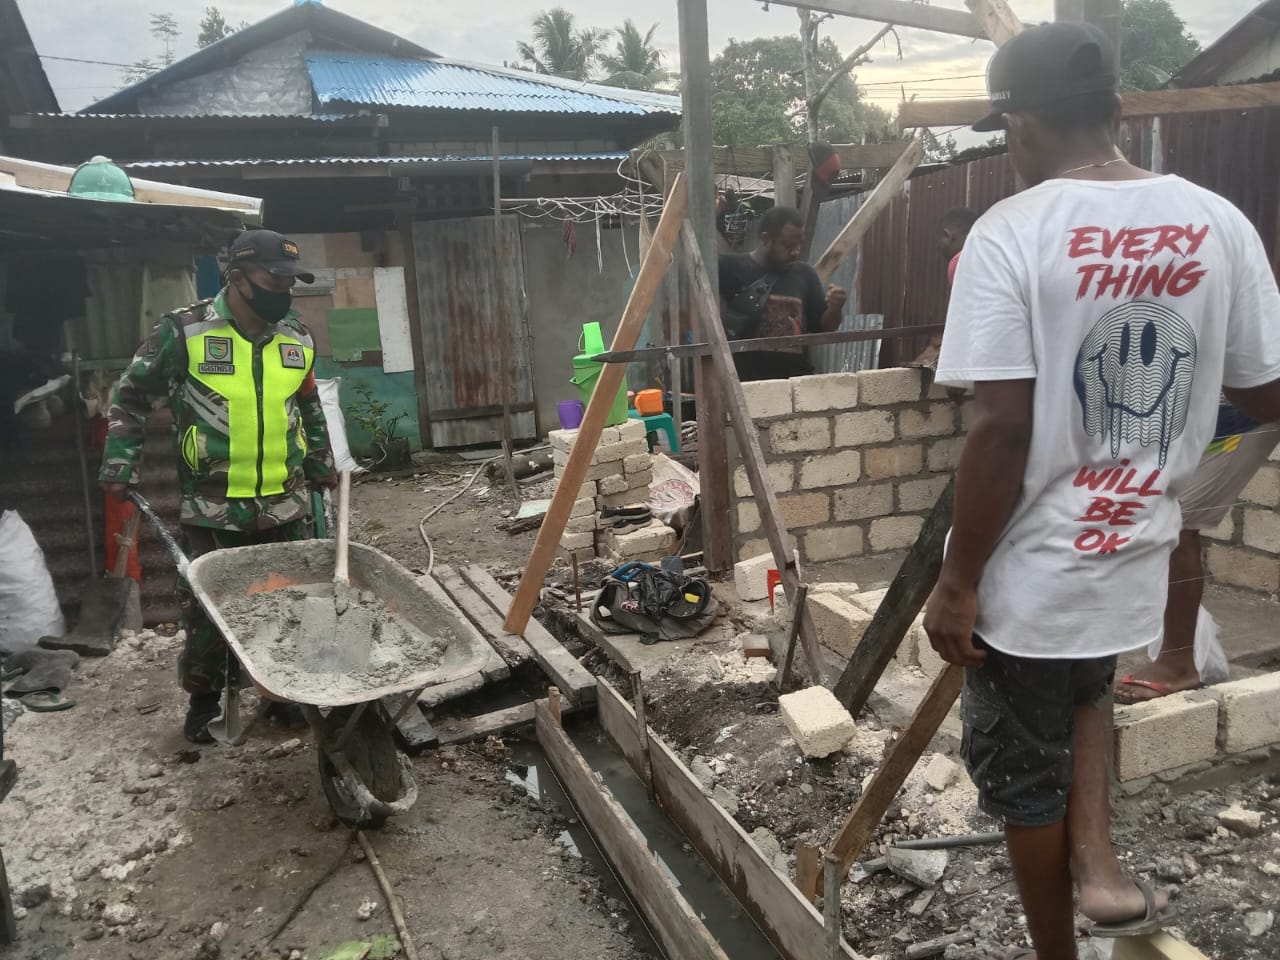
237 373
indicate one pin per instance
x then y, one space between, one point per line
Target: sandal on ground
1158 688
45 701
1150 921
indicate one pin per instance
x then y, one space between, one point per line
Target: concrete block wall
1244 550
857 460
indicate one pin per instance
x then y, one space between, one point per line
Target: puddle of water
526 778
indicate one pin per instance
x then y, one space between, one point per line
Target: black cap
269 250
1046 64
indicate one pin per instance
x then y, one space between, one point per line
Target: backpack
657 603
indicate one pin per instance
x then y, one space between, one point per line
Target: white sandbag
29 606
329 399
1211 659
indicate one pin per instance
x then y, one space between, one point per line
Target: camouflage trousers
202 666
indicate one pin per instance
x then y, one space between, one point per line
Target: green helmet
100 179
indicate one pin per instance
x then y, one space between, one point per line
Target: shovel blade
333 643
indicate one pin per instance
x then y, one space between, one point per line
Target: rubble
924 868
119 914
940 773
1259 922
1246 823
366 910
818 722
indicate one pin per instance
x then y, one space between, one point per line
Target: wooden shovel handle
340 574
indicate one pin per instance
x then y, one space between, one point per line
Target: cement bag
29 606
337 425
1211 659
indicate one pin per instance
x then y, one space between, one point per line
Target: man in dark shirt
795 302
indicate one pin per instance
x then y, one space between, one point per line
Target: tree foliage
165 29
560 48
758 95
1154 44
213 27
635 63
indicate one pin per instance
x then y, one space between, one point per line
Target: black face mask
271 305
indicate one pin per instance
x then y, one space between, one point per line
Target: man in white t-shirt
1096 315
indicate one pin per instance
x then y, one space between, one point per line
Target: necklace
1089 166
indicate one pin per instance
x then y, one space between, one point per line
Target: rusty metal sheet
466 305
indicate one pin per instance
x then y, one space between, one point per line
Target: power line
894 83
96 63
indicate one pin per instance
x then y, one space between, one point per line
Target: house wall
1262 59
269 81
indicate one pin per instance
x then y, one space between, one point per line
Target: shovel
336 634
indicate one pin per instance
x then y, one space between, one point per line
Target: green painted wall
397 389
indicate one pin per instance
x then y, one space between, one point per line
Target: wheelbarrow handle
161 531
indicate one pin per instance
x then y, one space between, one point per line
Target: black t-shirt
796 305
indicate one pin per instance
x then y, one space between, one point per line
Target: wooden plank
747 161
759 161
902 13
573 679
808 869
1157 946
787 919
513 649
497 722
679 931
784 177
904 600
619 721
869 156
748 438
495 669
633 319
898 764
888 188
413 732
1150 103
998 22
772 343
605 642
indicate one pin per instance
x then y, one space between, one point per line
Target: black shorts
1019 730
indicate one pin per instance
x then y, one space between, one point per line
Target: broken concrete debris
1247 823
924 868
940 773
1259 922
728 800
818 722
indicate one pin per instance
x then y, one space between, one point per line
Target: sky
932 65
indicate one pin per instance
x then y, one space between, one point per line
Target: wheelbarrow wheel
8 923
371 751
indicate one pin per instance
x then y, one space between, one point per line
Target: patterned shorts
1019 730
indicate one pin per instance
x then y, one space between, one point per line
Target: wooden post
748 438
648 281
553 704
872 207
832 875
897 765
797 616
808 869
998 22
906 597
713 455
507 375
784 177
405 212
1107 15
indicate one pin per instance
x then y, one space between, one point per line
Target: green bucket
587 371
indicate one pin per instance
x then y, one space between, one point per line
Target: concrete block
621 451
595 472
830 470
582 553
1165 733
937 420
869 600
818 723
1238 567
945 454
629 498
758 546
834 543
638 463
611 486
863 428
916 496
585 524
781 474
751 577
755 645
748 517
578 541
927 658
800 436
883 387
863 502
894 533
587 491
800 510
1262 530
830 391
924 868
1264 488
654 541
562 441
640 481
901 461
1248 712
838 623
1224 532
1246 823
586 507
632 431
768 398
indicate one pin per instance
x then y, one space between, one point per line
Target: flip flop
1020 953
1150 921
1160 690
45 701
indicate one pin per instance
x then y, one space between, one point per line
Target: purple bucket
570 413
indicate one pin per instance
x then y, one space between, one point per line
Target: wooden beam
759 161
748 161
999 23
883 194
511 648
787 919
906 597
771 343
681 934
647 284
575 680
748 437
1151 103
902 13
412 731
784 177
898 764
1162 945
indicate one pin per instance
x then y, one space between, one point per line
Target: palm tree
636 62
559 48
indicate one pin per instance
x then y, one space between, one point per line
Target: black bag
658 604
747 308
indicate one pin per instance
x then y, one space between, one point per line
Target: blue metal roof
371 80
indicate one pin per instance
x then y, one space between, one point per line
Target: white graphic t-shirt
1130 303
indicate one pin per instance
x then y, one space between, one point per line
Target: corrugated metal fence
902 274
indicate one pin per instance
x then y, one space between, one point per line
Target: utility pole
1107 15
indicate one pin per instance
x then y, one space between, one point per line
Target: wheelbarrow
365 777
